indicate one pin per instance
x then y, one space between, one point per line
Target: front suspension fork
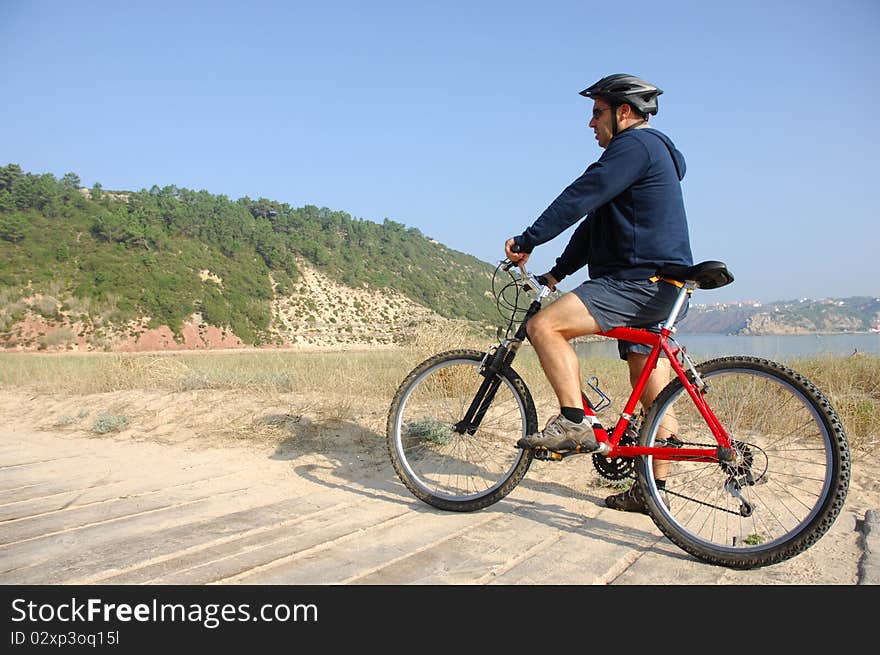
494 362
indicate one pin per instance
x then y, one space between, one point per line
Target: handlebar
529 281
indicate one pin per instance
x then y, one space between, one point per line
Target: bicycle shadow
346 456
336 454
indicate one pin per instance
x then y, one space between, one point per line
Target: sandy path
223 488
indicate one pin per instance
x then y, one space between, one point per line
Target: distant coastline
854 315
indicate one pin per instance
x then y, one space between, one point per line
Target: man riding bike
635 223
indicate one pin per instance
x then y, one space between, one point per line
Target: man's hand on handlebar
511 250
548 281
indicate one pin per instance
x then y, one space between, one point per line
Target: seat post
683 294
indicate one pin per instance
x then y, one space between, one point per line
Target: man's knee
546 324
536 326
566 317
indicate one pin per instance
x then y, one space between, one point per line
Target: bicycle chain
678 444
700 502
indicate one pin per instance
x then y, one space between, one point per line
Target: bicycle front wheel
786 485
455 469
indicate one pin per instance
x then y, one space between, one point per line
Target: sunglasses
598 112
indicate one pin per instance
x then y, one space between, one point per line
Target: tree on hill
146 248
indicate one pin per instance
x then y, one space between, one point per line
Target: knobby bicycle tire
788 484
452 470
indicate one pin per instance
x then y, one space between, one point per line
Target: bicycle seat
707 275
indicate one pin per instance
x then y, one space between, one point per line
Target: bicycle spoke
453 468
774 498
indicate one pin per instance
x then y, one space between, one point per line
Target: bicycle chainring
618 468
615 469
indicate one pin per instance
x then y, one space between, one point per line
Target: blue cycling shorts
629 303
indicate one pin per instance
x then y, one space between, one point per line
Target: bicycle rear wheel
789 480
459 470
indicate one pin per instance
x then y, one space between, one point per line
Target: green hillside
128 254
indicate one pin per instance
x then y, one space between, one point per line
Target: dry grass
442 336
342 379
327 386
852 384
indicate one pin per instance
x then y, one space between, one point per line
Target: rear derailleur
738 467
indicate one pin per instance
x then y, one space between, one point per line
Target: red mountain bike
755 460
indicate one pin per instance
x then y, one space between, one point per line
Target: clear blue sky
463 118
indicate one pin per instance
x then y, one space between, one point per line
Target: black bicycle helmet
622 88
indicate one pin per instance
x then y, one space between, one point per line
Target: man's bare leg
549 333
630 500
658 379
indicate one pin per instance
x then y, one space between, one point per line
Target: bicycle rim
789 480
453 470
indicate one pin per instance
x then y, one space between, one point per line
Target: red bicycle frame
659 342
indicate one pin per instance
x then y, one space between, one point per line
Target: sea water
776 347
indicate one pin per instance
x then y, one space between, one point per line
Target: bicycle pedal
547 455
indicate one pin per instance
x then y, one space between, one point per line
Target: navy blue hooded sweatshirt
635 218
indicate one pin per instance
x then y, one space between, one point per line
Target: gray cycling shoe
562 434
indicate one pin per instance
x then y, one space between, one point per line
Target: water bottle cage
603 402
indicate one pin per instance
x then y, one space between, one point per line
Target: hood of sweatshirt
675 153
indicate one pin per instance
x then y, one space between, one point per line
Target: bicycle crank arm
554 455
